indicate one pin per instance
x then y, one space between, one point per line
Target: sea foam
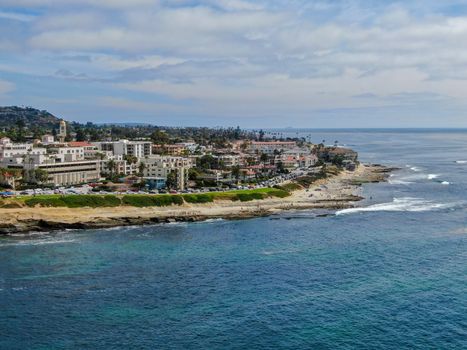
407 204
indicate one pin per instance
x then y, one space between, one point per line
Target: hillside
31 117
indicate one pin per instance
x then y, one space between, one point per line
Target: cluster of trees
160 135
13 177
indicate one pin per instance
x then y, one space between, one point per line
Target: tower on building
62 131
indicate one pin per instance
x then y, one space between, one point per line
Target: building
13 152
171 150
47 139
62 131
112 164
65 173
230 160
269 147
138 149
162 166
64 165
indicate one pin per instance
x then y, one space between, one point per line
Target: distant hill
31 117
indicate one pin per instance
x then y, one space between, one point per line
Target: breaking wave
407 204
38 242
461 161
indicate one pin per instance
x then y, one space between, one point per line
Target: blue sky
275 63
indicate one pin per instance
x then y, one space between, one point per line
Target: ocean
389 275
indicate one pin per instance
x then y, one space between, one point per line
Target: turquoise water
390 276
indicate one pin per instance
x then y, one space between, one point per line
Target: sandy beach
337 192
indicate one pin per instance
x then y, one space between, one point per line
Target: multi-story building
9 150
161 167
47 139
60 171
230 160
269 147
64 165
138 149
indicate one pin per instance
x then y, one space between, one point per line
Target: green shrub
152 201
246 197
92 201
177 200
198 198
74 201
45 202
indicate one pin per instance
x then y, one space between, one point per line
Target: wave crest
407 204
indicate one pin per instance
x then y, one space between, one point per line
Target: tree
207 162
130 159
160 137
236 172
264 157
111 165
141 168
250 160
41 176
338 160
261 135
80 135
280 167
171 181
193 174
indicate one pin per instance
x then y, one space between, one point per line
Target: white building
65 173
10 151
64 165
138 149
230 160
47 139
269 147
161 167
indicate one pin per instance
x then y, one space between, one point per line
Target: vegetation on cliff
96 201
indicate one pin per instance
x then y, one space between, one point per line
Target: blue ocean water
392 275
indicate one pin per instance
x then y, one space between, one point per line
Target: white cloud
265 56
6 87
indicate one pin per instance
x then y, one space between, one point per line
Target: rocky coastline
338 192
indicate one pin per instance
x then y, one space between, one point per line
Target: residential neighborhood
58 161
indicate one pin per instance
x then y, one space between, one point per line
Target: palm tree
111 165
141 168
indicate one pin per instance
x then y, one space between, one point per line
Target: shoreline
341 191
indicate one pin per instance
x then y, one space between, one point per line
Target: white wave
407 204
416 169
213 220
461 161
38 242
446 183
399 182
278 252
432 176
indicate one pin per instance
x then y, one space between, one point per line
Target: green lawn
141 200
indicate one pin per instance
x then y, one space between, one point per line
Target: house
269 147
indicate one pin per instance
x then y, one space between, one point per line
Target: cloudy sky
275 63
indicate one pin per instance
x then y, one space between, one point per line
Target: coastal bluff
340 191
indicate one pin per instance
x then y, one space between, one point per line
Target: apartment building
161 167
138 149
230 160
17 150
269 147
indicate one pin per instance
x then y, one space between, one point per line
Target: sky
276 63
